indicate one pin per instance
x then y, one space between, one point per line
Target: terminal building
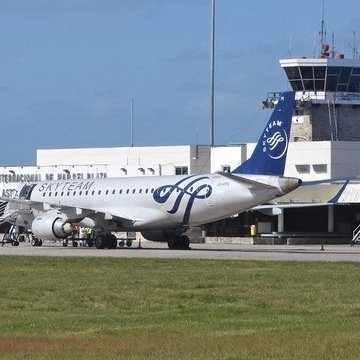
325 144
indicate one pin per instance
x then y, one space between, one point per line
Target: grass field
97 308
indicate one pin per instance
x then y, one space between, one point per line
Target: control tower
327 93
328 98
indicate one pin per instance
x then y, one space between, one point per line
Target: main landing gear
180 242
107 240
35 241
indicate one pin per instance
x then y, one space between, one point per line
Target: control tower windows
333 70
319 72
321 78
342 87
313 77
354 84
292 73
319 85
297 85
306 78
307 72
308 84
345 75
331 82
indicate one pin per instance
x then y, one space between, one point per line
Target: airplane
162 208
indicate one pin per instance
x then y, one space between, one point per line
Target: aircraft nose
288 184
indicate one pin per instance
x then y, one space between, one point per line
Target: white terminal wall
232 156
340 158
313 160
135 161
135 156
198 158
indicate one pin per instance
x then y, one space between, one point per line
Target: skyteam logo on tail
275 140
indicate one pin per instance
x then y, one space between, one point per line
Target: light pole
212 70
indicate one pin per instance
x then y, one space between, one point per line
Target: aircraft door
217 191
212 190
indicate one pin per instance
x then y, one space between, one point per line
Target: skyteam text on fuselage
161 207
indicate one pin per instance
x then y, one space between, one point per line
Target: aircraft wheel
15 243
183 242
40 242
128 243
111 241
75 244
121 243
34 241
100 242
65 243
172 243
90 243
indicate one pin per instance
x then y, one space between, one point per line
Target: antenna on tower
333 46
323 29
290 47
354 47
324 45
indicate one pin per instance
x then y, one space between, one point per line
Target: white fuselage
147 203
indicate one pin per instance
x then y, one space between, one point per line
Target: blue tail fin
270 152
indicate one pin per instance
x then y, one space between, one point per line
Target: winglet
337 196
269 156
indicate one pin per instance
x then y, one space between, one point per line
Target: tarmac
330 253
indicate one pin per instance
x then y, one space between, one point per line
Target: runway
332 253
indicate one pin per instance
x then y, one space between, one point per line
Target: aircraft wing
275 208
18 201
117 214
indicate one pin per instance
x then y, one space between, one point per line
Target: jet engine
51 226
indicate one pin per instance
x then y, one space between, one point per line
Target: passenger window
120 192
55 194
80 192
107 192
113 192
99 192
93 192
127 191
134 191
74 193
50 193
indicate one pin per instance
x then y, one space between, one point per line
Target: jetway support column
331 218
281 221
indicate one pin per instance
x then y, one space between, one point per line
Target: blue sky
69 68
